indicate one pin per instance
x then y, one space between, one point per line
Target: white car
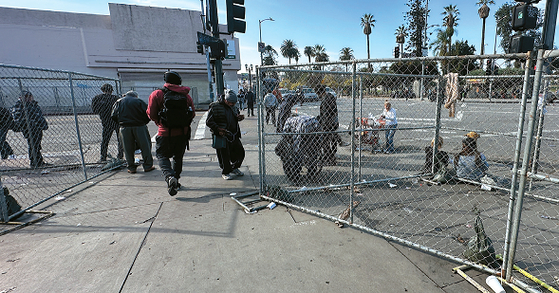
309 94
331 91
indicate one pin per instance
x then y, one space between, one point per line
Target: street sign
206 39
261 47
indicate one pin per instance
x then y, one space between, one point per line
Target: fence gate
335 159
70 146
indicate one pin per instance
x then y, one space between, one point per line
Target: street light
260 29
249 69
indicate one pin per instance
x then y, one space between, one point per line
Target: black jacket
102 105
28 117
223 116
130 112
6 120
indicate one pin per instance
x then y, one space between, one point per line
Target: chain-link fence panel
51 139
354 142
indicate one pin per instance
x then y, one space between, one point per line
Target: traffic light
396 52
218 49
199 48
524 17
236 16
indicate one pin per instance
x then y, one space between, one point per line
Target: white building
134 43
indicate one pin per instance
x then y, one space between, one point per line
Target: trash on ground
60 198
392 185
548 217
271 205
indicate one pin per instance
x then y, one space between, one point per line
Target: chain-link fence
50 138
353 142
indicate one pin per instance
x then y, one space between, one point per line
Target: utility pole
218 67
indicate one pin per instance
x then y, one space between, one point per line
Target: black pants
34 139
107 133
5 148
231 157
330 146
271 112
250 111
167 148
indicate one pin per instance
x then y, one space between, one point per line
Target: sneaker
132 171
11 157
172 186
227 176
237 172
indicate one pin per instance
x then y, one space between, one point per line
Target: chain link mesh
404 191
70 146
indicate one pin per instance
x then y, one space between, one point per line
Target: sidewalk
124 233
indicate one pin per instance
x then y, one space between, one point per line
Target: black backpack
176 112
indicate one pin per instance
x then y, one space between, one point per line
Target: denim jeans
389 136
167 148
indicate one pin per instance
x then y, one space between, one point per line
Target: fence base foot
19 225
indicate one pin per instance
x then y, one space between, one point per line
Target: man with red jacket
170 142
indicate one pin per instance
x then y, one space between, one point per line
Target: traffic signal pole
218 67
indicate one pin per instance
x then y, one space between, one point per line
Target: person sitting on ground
439 170
470 163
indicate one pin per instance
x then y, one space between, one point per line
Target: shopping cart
367 132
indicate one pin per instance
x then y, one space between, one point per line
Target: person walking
223 120
130 113
328 120
102 105
250 99
6 123
271 103
28 119
389 115
172 109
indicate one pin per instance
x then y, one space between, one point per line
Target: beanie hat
172 77
231 97
472 134
132 94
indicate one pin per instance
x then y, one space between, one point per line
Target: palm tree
401 34
319 53
270 55
346 53
289 50
483 12
450 20
368 22
308 52
441 45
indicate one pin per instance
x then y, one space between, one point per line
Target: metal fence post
3 204
77 124
360 128
525 165
352 160
260 128
517 151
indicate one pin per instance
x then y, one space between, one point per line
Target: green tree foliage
415 19
367 22
270 55
308 51
289 50
450 20
462 67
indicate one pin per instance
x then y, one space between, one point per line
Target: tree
401 34
450 20
319 53
270 55
462 67
308 52
483 12
346 53
289 50
441 44
415 25
367 22
504 27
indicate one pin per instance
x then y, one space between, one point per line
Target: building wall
134 43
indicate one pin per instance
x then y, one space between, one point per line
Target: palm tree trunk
368 52
483 37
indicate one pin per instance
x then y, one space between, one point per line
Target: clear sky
333 24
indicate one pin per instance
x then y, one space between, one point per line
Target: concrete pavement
123 233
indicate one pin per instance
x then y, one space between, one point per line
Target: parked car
309 94
331 91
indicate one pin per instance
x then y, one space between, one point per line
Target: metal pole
437 131
77 124
523 175
352 176
360 128
260 30
550 20
519 135
260 130
217 65
208 65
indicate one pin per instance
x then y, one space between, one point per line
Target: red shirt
155 105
